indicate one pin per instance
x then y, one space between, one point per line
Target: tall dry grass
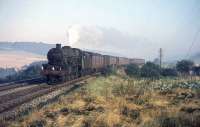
118 100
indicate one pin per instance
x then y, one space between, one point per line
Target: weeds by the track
120 101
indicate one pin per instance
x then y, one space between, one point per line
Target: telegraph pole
160 56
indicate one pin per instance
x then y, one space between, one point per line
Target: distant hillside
39 48
18 59
20 54
32 47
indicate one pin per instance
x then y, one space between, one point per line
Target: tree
184 66
32 71
132 70
150 70
169 72
29 72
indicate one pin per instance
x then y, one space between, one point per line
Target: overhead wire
193 40
192 43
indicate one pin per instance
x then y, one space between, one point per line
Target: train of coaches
66 63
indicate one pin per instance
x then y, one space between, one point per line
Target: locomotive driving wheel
52 80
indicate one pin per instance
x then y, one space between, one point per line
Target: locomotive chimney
58 46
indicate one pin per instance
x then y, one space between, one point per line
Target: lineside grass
117 100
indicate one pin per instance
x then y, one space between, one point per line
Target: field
117 100
18 59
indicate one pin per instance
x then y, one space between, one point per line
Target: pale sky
134 28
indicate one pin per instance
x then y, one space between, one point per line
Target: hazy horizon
134 28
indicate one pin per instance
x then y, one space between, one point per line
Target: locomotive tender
66 63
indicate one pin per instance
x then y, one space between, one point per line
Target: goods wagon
86 62
122 61
110 61
138 62
97 61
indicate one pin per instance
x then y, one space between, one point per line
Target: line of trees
30 72
151 70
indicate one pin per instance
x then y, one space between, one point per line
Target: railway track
15 90
13 100
10 96
21 83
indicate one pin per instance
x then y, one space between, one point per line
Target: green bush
150 70
30 72
132 70
169 72
110 70
184 66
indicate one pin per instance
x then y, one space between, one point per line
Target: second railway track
15 99
21 83
16 94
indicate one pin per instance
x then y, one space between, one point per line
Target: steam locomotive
66 63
